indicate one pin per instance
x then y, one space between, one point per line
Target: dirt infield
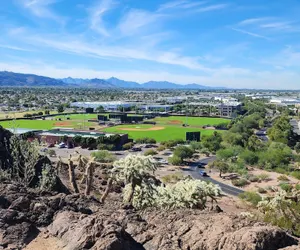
63 124
143 129
175 122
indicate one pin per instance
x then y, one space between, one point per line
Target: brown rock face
83 223
85 232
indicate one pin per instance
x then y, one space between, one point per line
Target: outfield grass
43 124
192 121
168 133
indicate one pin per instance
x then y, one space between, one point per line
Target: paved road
194 172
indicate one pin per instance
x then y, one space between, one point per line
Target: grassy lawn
168 133
192 121
45 124
30 124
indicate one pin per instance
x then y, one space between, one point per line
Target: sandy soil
253 186
44 242
175 122
143 129
63 124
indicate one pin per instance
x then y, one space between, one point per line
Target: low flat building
109 106
54 136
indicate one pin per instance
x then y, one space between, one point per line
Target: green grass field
192 121
168 133
172 126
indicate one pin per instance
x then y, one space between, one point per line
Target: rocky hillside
83 223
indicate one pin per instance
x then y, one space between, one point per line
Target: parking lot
161 157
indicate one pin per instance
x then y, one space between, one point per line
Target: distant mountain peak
31 80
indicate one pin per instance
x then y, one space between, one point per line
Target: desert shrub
48 178
280 170
253 178
145 140
128 146
51 152
283 178
103 156
196 145
261 190
150 152
296 174
205 151
171 178
263 177
240 182
161 148
286 186
172 143
175 160
251 197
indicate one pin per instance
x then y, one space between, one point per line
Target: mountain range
30 80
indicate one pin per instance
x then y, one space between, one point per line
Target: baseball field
166 128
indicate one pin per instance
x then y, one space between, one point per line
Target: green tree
183 152
60 109
100 109
213 142
223 167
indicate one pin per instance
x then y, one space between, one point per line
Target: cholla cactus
277 203
25 156
282 210
183 194
134 170
247 215
187 194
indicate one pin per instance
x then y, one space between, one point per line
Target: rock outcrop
84 223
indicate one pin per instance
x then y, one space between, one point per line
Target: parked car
44 150
203 173
201 165
135 150
61 145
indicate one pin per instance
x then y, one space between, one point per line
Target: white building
113 105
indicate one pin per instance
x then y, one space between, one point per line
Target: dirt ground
63 124
175 122
44 242
143 129
253 186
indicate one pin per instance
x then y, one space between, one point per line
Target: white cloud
212 8
181 4
136 21
250 33
75 46
253 20
11 47
96 16
41 8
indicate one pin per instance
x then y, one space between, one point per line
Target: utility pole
186 114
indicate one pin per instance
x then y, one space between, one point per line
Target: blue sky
234 43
